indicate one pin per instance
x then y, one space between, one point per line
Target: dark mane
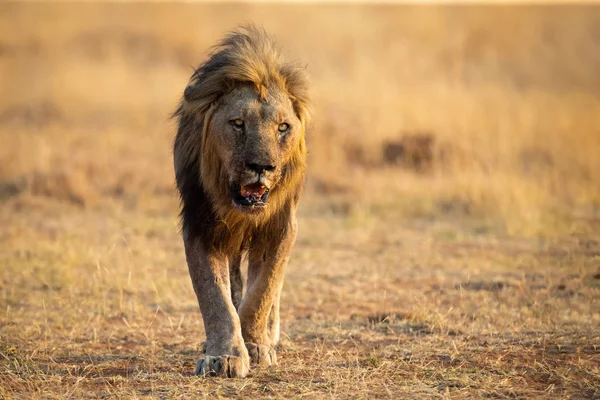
245 56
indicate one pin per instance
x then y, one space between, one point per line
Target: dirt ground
449 234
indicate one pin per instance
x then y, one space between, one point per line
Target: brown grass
477 276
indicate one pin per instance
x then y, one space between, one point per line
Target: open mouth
252 195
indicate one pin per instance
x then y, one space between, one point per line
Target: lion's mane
246 56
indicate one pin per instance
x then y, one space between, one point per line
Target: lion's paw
261 354
222 366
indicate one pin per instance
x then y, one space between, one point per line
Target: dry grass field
449 241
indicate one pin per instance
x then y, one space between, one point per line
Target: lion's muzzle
250 192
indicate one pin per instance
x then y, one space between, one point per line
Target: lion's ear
188 105
188 93
303 112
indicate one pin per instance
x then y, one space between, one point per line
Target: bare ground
370 309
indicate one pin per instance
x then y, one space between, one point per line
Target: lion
240 159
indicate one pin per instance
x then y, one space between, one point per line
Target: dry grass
466 267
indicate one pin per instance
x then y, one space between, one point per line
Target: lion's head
242 125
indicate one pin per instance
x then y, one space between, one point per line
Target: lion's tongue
254 190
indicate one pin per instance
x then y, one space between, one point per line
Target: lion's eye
237 123
284 127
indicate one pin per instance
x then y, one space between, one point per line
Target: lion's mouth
252 195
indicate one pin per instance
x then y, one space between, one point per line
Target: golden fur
245 68
247 55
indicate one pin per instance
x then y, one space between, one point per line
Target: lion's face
254 137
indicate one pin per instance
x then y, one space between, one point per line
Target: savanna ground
449 234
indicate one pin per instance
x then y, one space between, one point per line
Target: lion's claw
222 366
261 354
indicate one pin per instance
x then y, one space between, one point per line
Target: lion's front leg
259 311
225 355
235 279
273 322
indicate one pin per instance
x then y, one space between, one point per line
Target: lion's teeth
255 191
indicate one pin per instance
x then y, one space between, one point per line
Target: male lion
239 162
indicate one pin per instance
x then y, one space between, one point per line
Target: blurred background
449 233
483 115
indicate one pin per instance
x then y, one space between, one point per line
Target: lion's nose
259 168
